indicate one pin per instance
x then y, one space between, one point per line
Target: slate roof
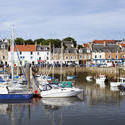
105 48
70 50
69 44
42 48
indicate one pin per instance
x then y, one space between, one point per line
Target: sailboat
5 94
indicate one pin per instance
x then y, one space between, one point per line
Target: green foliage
55 42
39 41
80 46
70 39
29 42
19 41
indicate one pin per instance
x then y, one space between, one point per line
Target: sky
84 20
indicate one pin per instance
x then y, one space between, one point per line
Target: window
37 53
66 57
100 56
3 57
80 56
71 57
88 56
84 56
31 53
95 56
116 57
20 53
47 53
109 56
39 58
47 58
31 57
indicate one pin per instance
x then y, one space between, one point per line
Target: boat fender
36 92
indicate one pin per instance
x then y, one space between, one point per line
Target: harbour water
93 107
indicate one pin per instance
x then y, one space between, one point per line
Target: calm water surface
96 106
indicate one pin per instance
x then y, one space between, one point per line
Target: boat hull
64 92
100 81
115 84
15 96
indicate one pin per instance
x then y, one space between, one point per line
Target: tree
19 41
39 41
80 46
55 42
70 39
29 42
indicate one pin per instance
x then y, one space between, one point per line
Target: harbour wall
111 73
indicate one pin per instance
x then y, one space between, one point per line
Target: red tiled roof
103 41
25 48
123 45
85 45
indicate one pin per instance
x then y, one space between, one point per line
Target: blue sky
84 20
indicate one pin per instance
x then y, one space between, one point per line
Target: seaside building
26 54
4 51
43 54
84 55
104 51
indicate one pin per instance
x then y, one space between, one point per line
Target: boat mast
53 60
12 53
61 60
4 55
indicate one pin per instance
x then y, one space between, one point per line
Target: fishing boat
100 79
5 93
89 78
121 82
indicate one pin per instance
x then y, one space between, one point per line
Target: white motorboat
101 79
60 92
89 78
116 84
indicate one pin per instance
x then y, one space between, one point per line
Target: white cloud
83 20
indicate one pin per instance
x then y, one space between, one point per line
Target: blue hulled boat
15 96
5 93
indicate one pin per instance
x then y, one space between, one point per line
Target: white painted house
26 54
30 54
43 53
98 57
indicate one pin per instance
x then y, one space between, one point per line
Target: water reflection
98 95
14 111
3 109
56 103
53 106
